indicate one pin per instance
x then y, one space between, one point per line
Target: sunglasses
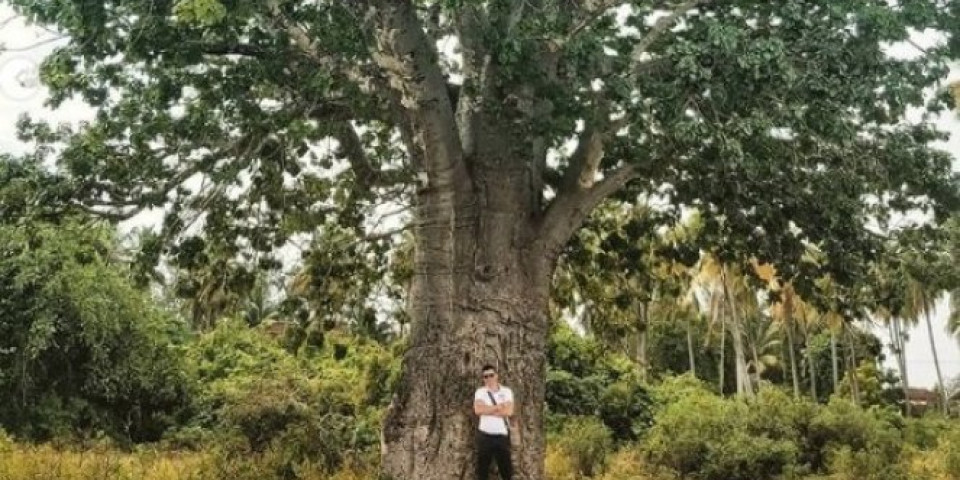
489 375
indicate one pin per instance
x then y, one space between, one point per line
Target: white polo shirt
491 424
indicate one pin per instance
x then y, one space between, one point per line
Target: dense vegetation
104 379
674 236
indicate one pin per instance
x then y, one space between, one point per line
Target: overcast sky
20 92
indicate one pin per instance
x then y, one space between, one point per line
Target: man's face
489 377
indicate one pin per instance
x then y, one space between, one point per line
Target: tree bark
756 364
810 363
480 296
813 376
723 343
481 280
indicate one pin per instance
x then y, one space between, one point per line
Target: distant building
922 400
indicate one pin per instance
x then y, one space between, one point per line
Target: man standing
493 403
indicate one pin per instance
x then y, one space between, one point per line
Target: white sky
24 47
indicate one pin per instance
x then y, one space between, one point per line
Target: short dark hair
488 367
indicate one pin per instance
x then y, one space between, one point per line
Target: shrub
586 441
280 414
567 394
709 438
558 465
924 433
674 389
93 350
629 464
625 408
866 464
949 452
841 426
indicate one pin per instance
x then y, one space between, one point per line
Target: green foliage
841 428
81 349
587 441
706 437
699 435
752 113
625 408
582 380
285 410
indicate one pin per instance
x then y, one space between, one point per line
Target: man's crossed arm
500 410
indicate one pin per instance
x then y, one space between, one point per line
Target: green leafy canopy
781 122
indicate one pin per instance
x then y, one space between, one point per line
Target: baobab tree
503 123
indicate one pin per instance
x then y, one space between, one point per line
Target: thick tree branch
351 148
410 60
568 212
300 36
593 10
585 161
242 49
578 195
662 26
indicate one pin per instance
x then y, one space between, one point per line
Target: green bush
92 351
709 438
948 450
567 394
289 412
870 463
924 433
842 426
585 379
586 441
626 409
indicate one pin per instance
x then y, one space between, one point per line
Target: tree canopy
504 124
782 123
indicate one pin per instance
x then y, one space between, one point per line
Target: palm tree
213 290
920 302
835 324
710 297
811 321
953 321
723 283
898 347
694 314
783 312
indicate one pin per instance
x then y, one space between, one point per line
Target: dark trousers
493 448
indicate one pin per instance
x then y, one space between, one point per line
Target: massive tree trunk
480 295
486 245
484 317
